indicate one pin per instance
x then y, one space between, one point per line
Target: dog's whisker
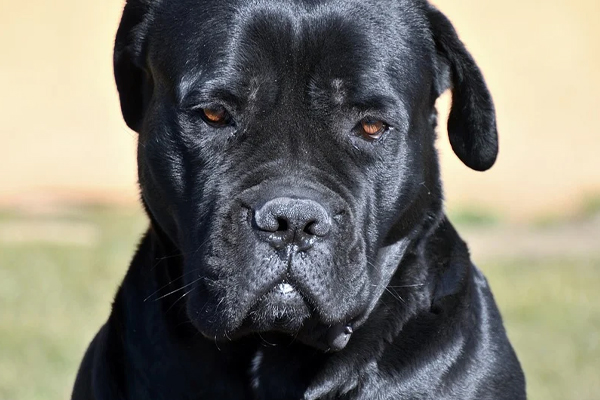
406 286
176 290
266 342
395 295
371 264
180 297
217 344
180 254
168 284
294 338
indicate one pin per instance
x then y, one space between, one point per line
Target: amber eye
372 128
216 116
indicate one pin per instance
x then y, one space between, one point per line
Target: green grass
587 208
53 298
55 295
551 310
474 216
590 206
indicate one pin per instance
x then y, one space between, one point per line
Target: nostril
318 227
309 228
282 225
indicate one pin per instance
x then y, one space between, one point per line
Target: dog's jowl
298 247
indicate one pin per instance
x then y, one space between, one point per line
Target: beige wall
61 129
60 123
542 63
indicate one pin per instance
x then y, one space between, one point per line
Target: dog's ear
131 76
472 121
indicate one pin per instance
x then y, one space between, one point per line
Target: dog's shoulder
100 375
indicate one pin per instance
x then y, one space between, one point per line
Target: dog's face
283 145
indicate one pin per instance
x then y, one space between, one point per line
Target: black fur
290 256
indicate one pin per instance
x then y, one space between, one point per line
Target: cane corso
298 247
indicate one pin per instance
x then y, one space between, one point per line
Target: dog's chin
282 309
281 316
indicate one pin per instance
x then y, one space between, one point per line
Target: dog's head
284 145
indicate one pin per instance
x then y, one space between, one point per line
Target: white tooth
285 288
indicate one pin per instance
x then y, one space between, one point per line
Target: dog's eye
371 128
216 116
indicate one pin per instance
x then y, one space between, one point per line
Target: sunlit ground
60 268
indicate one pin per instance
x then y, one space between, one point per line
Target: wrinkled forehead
340 46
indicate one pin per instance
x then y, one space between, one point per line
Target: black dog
298 248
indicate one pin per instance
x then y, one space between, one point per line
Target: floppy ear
472 121
133 81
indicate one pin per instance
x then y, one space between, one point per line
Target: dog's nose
292 221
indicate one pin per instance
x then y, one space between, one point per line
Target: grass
55 294
590 205
474 216
588 208
551 310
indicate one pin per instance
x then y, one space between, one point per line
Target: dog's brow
381 105
209 94
373 102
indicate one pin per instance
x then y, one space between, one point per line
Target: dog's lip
284 290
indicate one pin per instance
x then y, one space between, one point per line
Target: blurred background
70 219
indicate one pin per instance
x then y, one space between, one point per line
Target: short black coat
297 78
